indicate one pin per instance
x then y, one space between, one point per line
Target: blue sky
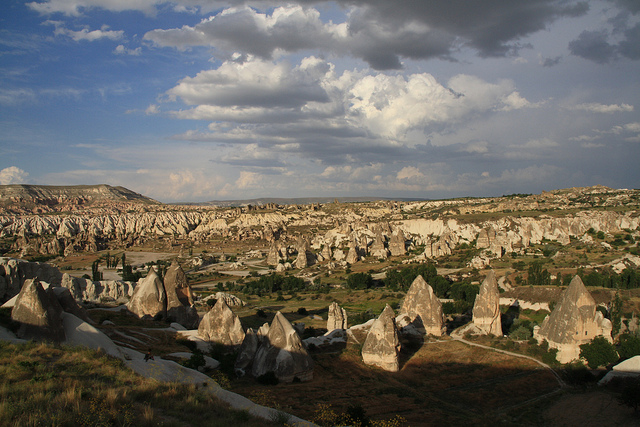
196 100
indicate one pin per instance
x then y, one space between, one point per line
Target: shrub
302 311
629 346
599 352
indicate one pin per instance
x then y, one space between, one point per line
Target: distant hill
295 201
25 196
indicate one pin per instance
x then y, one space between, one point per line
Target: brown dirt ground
444 383
596 408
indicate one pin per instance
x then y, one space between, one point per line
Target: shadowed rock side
382 346
282 353
486 309
179 298
424 308
337 318
572 322
39 313
13 273
221 325
149 298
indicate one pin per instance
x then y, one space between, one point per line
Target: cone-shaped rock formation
149 297
382 346
221 325
282 352
38 312
486 309
424 308
572 322
337 318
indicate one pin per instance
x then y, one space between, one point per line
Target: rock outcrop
424 308
13 273
486 309
222 326
337 318
397 243
282 352
149 297
382 346
180 307
99 291
573 321
39 313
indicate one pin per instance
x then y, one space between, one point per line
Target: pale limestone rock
326 252
104 290
337 318
573 321
13 273
39 313
180 307
149 298
397 244
273 257
221 325
352 255
486 309
230 299
283 353
424 308
302 260
377 248
382 346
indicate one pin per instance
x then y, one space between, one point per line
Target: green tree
616 314
629 346
359 281
599 352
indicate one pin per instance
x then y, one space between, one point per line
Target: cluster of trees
271 283
627 279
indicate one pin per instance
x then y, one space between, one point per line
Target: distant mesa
61 197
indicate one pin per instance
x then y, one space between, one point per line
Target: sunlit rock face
382 346
98 291
574 321
38 312
486 309
179 297
149 298
282 352
424 308
221 325
337 318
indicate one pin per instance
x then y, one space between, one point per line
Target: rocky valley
414 312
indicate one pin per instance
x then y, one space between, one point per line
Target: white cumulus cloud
12 175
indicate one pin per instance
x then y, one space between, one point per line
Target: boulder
573 321
382 346
424 308
337 318
222 326
39 313
486 309
283 353
149 298
179 297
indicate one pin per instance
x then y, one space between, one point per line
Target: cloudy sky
194 100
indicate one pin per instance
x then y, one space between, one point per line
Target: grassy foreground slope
44 385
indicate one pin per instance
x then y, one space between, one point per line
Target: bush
302 311
261 313
599 352
629 346
359 281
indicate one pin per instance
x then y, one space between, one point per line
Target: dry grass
43 385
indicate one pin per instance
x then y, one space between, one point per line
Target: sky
198 100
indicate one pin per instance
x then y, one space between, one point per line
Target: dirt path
510 353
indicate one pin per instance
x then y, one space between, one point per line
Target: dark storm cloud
594 46
550 62
380 32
